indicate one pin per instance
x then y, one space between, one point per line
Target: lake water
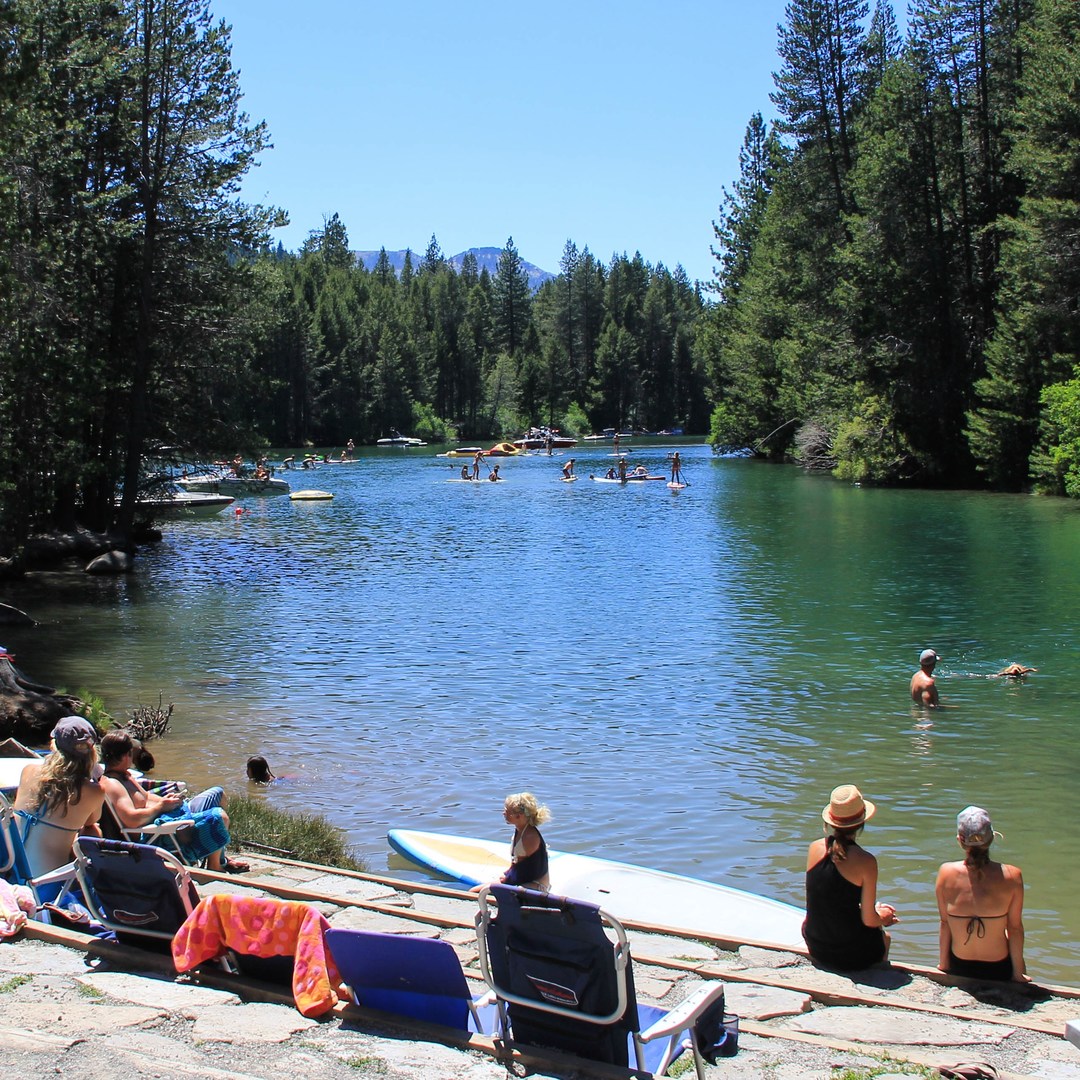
681 676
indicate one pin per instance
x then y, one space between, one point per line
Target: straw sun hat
847 808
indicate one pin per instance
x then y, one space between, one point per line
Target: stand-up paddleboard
627 891
675 485
567 479
310 495
463 480
607 479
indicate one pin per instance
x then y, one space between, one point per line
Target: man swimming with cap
923 687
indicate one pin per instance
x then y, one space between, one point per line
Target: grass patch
373 1066
683 1064
307 837
91 992
14 983
888 1066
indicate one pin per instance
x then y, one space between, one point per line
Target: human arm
944 931
873 914
95 797
1014 926
131 816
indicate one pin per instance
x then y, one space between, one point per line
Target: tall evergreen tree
511 301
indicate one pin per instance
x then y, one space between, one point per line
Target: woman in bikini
59 797
845 925
981 904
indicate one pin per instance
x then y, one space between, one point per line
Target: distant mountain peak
485 257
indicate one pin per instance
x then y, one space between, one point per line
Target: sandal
234 866
969 1070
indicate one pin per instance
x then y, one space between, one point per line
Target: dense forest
895 295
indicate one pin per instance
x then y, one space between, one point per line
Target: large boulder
112 562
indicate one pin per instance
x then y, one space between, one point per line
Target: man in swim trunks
135 807
923 688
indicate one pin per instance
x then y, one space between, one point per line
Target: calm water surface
682 676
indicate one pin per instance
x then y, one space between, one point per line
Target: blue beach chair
50 888
139 891
562 982
420 978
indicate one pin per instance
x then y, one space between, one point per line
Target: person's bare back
923 687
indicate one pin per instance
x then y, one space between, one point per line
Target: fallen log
29 710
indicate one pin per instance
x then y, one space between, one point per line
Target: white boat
634 893
400 440
182 504
234 485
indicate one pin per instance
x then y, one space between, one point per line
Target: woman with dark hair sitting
844 927
981 904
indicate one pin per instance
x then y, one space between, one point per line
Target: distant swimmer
1014 671
923 687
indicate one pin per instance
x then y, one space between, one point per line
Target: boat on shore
637 893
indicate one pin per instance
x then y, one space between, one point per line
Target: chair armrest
685 1014
165 828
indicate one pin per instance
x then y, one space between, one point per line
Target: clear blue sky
613 124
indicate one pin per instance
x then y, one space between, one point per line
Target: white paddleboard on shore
629 892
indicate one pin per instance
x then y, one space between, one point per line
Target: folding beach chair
562 982
420 978
139 891
163 835
15 866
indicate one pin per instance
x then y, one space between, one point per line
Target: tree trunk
28 710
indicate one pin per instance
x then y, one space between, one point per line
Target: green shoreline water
682 676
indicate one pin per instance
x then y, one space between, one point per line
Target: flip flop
968 1070
235 866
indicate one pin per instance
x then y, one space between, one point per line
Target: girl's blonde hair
524 802
61 779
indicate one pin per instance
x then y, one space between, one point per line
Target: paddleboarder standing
676 468
568 469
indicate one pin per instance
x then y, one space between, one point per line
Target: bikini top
975 924
32 820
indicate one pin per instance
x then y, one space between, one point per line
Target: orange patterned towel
258 926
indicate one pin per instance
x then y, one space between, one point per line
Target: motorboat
220 484
463 451
543 438
171 503
397 439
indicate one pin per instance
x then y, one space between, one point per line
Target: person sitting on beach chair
136 807
58 797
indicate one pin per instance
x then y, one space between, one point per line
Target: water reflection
683 677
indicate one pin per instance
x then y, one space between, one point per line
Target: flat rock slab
39 958
669 948
158 993
255 1022
64 1019
897 1028
354 889
763 1002
766 959
447 907
362 919
25 1040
